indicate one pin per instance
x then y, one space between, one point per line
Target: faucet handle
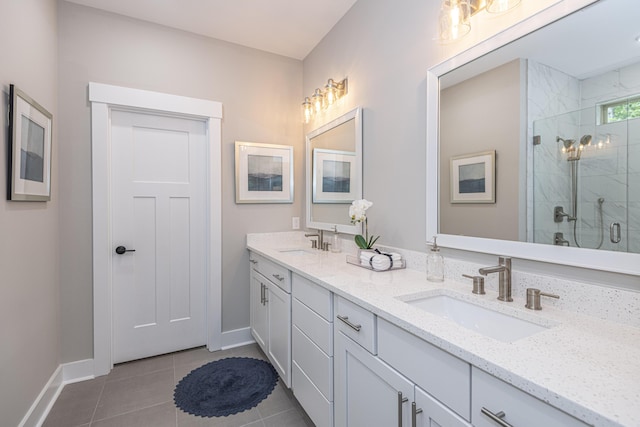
478 284
533 298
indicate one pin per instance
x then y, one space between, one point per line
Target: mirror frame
618 262
355 114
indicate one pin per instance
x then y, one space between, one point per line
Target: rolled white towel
380 261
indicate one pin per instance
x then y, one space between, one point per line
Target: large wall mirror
334 172
560 108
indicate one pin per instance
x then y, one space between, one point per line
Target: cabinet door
367 390
431 413
279 331
258 311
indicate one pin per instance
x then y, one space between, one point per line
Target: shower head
566 142
585 140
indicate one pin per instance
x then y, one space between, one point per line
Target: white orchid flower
357 210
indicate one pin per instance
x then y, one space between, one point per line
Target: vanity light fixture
455 15
499 6
323 98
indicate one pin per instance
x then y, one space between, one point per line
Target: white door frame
104 99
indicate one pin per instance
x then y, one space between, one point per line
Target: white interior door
159 202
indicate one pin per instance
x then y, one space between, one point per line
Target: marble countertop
585 366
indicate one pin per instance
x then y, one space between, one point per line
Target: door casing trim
104 99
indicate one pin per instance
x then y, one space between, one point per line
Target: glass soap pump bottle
435 264
336 242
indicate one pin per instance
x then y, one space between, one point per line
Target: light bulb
499 6
454 19
307 110
330 92
318 100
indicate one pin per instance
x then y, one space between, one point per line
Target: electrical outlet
295 223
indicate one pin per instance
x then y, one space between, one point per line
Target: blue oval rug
225 387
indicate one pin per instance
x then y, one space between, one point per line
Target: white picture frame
30 136
264 173
473 178
333 176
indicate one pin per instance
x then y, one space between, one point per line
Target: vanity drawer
439 373
319 409
315 363
520 408
276 273
314 326
313 296
356 323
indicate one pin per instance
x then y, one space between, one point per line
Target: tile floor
140 394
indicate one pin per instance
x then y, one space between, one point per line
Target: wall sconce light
323 98
454 19
499 6
455 15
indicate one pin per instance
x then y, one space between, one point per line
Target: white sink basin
480 319
296 252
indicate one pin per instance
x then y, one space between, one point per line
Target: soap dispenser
435 263
336 242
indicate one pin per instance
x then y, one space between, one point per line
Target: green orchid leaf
361 242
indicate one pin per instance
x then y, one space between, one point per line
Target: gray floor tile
163 415
278 401
251 350
236 420
141 367
290 418
135 393
76 404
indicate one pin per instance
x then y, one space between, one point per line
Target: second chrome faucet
504 277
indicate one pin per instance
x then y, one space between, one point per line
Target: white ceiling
286 27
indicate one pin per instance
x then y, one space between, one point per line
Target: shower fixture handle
614 232
559 214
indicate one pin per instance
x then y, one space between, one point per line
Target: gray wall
469 115
260 92
29 287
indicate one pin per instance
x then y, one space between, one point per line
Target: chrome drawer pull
414 412
498 418
279 277
401 400
253 261
346 321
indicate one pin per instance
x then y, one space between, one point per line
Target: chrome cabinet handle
498 418
345 320
414 411
614 232
253 261
262 293
401 401
279 277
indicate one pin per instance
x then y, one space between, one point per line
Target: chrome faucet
504 277
316 244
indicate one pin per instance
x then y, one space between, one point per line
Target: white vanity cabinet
491 397
312 352
270 295
370 391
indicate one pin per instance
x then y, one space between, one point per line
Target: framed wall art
473 178
29 149
264 173
333 176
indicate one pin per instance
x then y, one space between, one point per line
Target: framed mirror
558 100
334 172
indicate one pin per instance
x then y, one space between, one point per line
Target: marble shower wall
608 169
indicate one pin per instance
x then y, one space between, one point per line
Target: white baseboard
64 374
40 408
236 338
77 371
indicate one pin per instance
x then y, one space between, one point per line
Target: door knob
121 249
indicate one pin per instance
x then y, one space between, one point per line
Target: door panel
159 200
